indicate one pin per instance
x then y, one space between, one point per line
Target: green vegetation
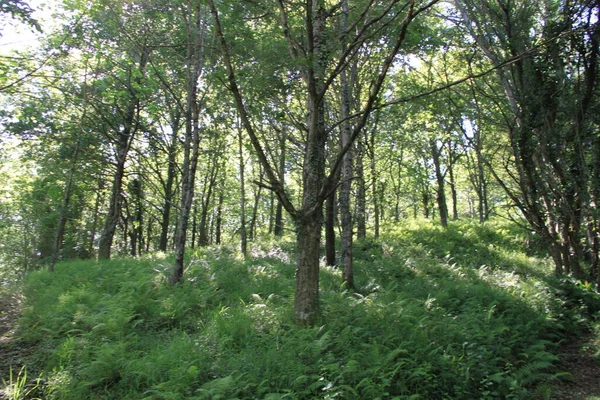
461 313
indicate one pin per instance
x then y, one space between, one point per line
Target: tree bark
330 258
361 193
62 218
279 207
169 192
439 177
195 57
243 233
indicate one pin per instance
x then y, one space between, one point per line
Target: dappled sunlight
274 252
427 317
265 318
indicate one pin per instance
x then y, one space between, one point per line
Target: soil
13 353
579 358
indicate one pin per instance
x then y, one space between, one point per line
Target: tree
546 60
196 28
310 48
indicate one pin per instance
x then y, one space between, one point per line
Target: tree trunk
195 52
306 298
453 193
169 192
124 140
375 190
219 217
114 212
243 235
279 210
99 199
62 218
257 195
361 194
346 258
330 258
439 177
136 232
205 202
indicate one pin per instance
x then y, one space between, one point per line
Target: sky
19 36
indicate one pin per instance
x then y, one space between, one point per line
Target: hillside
471 312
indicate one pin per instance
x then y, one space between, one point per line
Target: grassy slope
456 314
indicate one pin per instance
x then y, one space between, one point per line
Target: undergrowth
457 314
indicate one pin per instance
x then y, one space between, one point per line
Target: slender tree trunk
149 229
125 138
330 229
195 56
426 198
114 212
169 192
281 172
254 218
439 177
346 171
194 224
361 195
243 234
481 180
205 202
219 217
94 227
453 193
62 218
136 232
375 190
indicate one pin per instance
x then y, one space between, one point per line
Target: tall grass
458 314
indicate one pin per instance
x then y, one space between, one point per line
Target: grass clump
462 313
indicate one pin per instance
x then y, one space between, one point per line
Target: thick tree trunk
306 298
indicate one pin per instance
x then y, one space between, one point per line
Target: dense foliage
190 139
462 313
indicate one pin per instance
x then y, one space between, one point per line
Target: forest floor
576 357
13 352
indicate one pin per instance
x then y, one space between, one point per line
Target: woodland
277 199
